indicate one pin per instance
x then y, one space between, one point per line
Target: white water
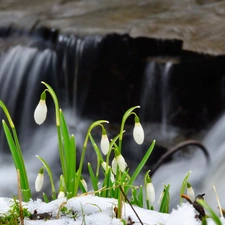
23 68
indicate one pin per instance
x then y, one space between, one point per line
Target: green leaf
164 207
140 166
49 174
184 186
94 180
209 209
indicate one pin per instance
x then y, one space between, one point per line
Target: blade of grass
209 209
50 176
140 166
19 163
184 186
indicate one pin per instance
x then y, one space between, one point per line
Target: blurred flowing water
67 67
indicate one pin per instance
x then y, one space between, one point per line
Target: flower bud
40 112
150 192
104 142
190 192
61 194
120 161
138 132
39 180
83 182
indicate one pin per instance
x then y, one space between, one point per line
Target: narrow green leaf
164 207
94 180
49 174
140 166
184 186
210 210
71 168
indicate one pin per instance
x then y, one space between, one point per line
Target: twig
176 148
130 205
218 201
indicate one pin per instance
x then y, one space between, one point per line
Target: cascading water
68 67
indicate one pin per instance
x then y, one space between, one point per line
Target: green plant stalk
98 153
209 209
19 163
24 180
94 179
57 112
125 117
69 148
49 174
71 167
164 207
184 186
79 171
140 166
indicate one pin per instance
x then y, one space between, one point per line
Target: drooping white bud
120 161
150 192
61 194
83 182
40 112
138 132
39 180
190 192
104 144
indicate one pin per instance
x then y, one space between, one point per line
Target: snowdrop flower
112 178
39 180
161 197
61 194
104 142
40 112
83 182
138 132
120 161
190 192
150 192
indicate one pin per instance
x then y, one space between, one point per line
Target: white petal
191 194
104 165
150 192
161 197
40 112
114 165
121 162
84 184
104 144
61 194
39 182
138 133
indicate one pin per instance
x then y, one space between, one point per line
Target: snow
93 210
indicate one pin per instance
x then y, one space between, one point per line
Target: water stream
22 68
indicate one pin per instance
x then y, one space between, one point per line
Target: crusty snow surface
93 210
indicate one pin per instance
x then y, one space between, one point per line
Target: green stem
125 117
57 112
49 174
79 171
16 153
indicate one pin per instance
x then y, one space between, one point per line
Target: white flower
61 194
104 144
39 181
161 197
40 112
120 161
191 193
83 182
112 178
138 133
150 192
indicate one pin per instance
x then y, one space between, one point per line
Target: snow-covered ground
92 210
